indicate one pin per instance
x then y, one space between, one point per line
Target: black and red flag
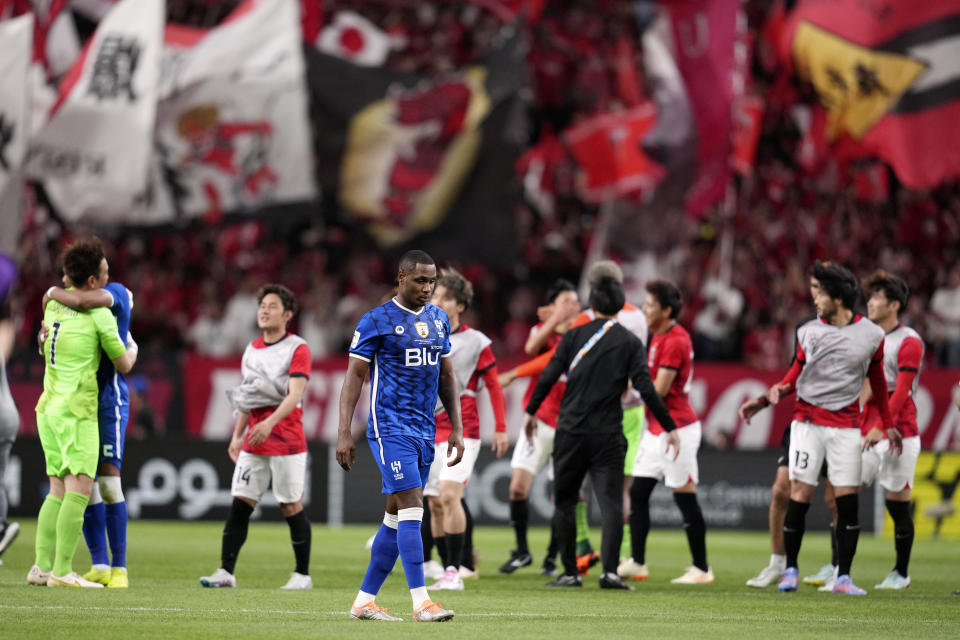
887 74
428 158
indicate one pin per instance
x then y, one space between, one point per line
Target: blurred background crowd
194 287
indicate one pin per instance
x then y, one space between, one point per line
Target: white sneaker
694 575
298 582
767 576
221 579
826 572
432 570
894 581
72 579
467 574
832 580
450 581
370 611
37 577
9 533
630 569
432 612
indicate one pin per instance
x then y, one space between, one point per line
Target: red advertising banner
717 390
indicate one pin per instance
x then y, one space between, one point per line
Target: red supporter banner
716 392
704 35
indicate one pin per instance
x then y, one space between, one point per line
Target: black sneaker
613 581
8 532
517 559
566 581
549 567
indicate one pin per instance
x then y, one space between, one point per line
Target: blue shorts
113 433
404 461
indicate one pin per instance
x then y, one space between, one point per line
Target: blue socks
95 532
102 521
411 545
116 525
383 556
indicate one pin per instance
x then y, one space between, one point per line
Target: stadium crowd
200 284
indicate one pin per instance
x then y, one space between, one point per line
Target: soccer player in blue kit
404 344
106 515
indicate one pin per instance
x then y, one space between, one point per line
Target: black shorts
783 458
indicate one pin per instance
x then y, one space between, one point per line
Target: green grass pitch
166 601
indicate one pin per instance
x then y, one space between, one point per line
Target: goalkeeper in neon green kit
67 413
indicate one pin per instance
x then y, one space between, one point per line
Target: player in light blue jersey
106 515
404 344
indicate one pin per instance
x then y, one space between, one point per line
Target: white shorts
458 472
810 444
653 461
532 458
894 473
253 473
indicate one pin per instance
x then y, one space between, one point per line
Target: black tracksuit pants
601 455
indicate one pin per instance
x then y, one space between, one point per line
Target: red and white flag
607 148
232 132
354 38
15 55
93 153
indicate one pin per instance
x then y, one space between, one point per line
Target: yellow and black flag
888 74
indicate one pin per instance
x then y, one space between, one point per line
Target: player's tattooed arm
349 395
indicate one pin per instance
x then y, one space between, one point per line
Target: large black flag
425 159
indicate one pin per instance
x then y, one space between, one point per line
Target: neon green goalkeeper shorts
69 445
633 420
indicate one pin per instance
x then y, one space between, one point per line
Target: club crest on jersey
395 467
398 329
439 326
423 329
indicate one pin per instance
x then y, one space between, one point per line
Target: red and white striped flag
232 132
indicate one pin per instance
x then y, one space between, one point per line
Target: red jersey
673 349
474 366
277 360
550 409
902 359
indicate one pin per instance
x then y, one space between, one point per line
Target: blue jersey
404 349
113 386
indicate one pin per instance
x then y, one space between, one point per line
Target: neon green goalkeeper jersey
71 355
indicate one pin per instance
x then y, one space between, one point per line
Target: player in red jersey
902 360
276 368
670 359
562 306
475 368
835 353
